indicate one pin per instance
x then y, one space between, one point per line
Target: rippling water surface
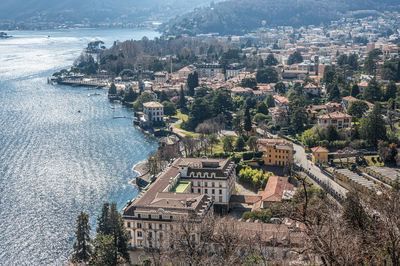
54 160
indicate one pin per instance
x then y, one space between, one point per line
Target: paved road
300 158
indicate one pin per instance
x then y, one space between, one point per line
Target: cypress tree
355 90
103 221
240 144
118 233
82 248
373 92
391 91
182 100
373 127
247 120
334 93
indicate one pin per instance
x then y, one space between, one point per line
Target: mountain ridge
240 16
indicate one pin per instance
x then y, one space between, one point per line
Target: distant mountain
238 16
94 11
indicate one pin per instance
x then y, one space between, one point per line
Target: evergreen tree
192 82
271 60
262 108
104 251
298 119
280 88
82 246
240 144
295 58
329 74
357 108
227 144
270 101
391 91
331 133
163 97
130 96
118 233
373 92
373 127
260 63
352 61
182 100
103 221
334 93
398 71
355 90
247 120
113 89
267 75
370 65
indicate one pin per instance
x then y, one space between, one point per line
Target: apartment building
188 188
277 152
209 70
338 119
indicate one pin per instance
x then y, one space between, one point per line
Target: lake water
54 160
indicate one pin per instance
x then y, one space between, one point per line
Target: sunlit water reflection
54 160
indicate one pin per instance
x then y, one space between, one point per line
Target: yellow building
320 155
277 152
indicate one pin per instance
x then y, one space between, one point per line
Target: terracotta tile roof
274 189
319 149
335 115
350 99
281 99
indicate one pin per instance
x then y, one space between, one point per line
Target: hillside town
256 134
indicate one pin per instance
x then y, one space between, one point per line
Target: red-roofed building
338 119
312 89
278 189
350 99
281 101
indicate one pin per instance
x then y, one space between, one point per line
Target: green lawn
179 115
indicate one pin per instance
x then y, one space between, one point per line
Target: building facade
320 155
338 119
277 152
188 188
153 111
209 70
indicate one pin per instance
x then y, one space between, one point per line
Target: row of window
148 225
155 216
206 191
277 162
212 184
279 156
204 175
279 151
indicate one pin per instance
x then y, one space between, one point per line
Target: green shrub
256 178
248 155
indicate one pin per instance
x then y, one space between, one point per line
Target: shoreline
143 178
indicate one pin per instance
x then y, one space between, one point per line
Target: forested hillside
238 16
94 11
